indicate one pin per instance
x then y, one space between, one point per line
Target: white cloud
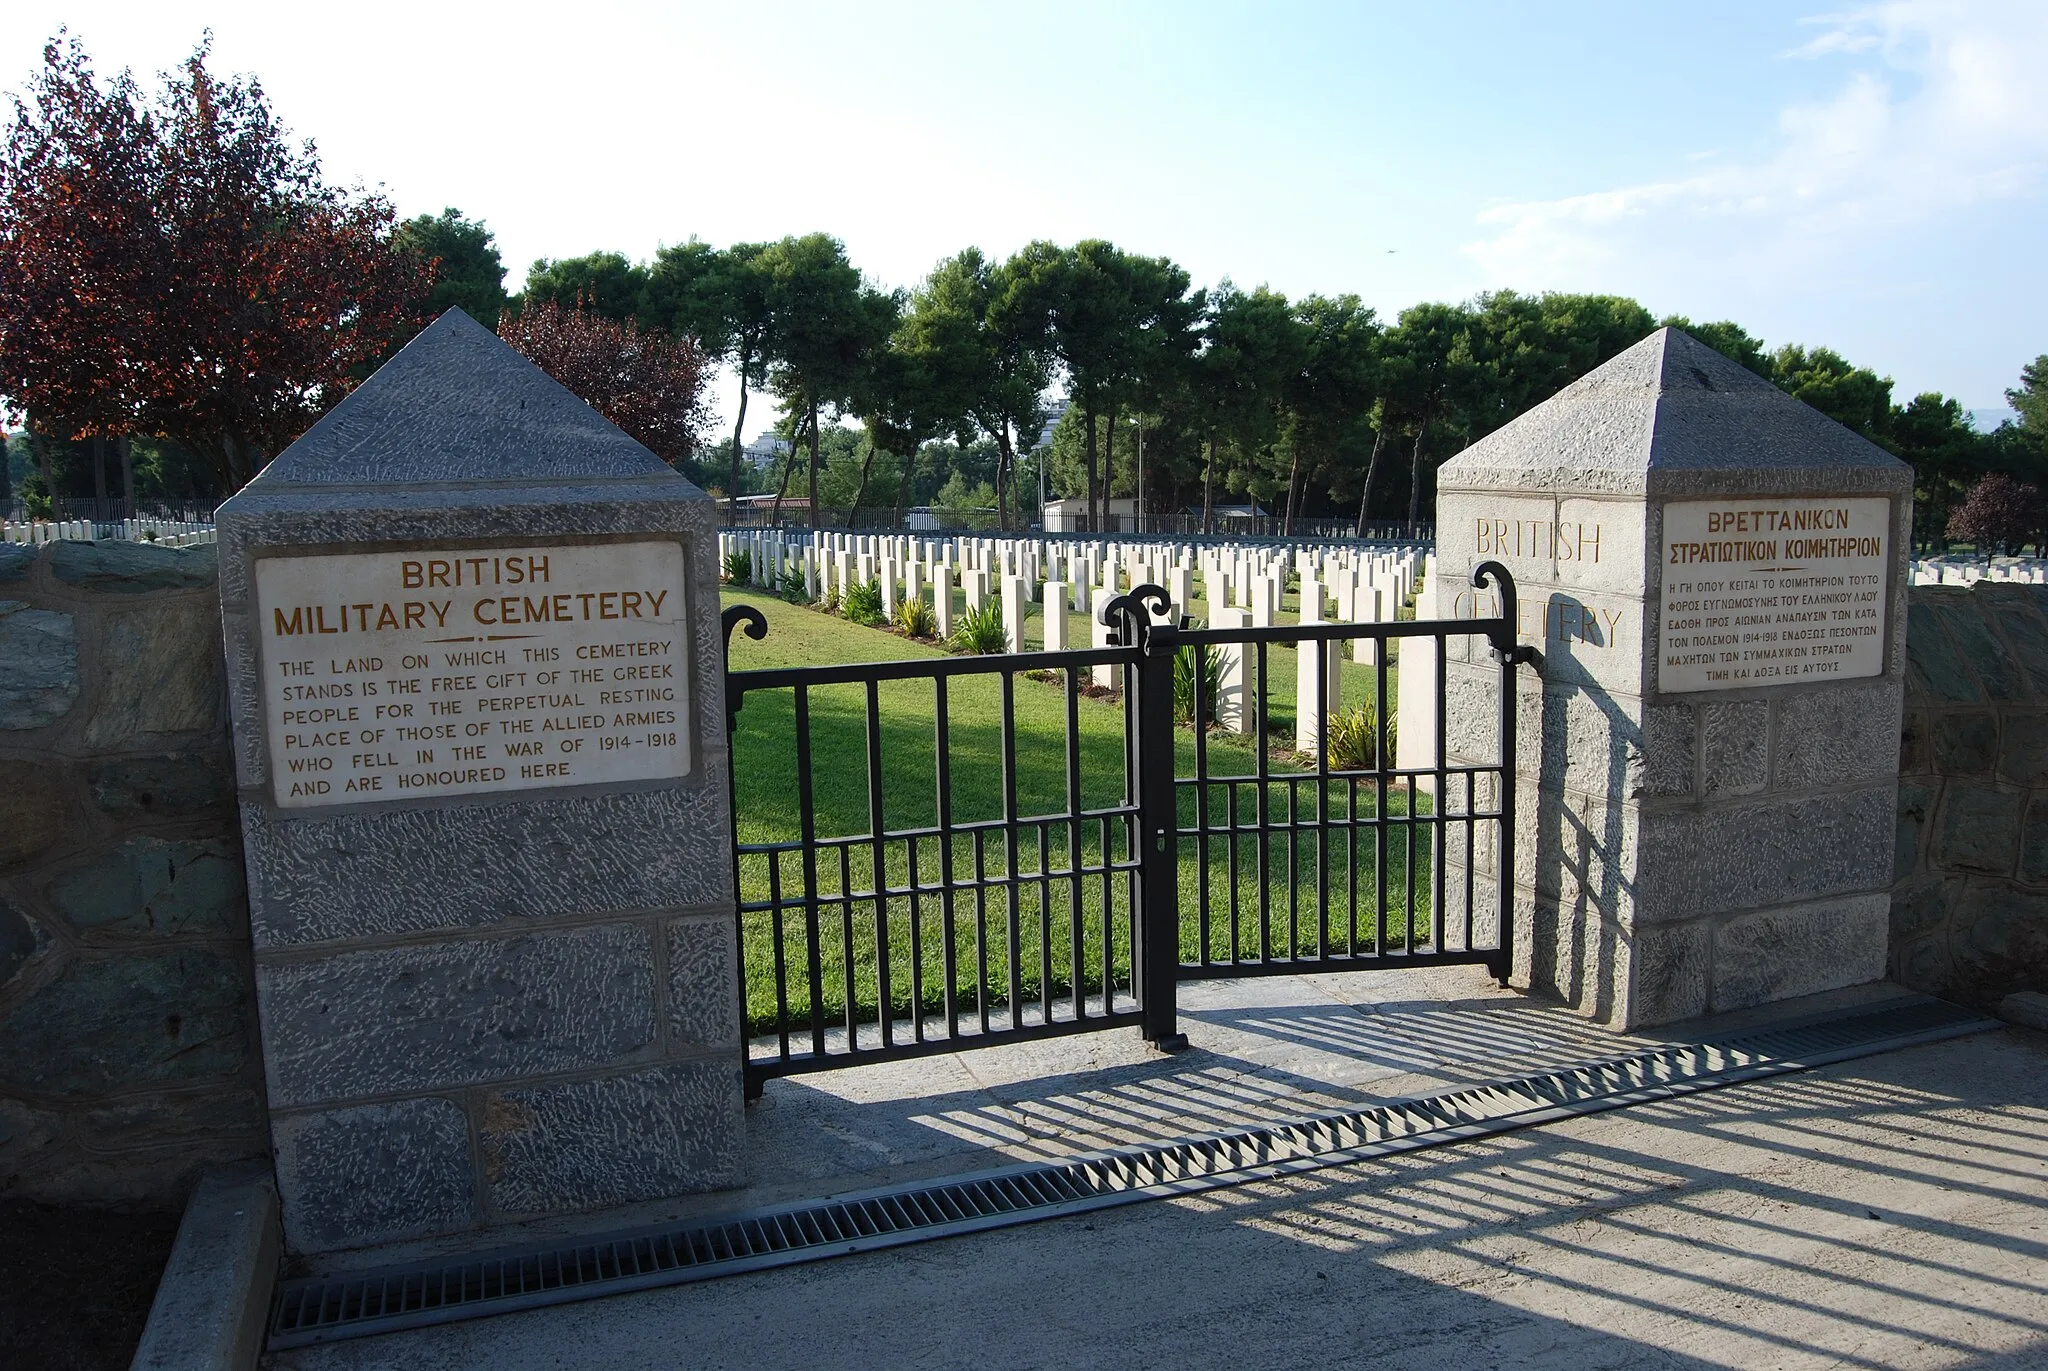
1941 111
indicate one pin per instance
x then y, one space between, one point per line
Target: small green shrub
1184 678
864 603
35 499
739 568
917 619
795 588
980 631
1351 739
830 604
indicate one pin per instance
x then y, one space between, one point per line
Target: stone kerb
517 993
1684 851
127 1016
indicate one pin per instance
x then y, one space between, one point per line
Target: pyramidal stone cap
459 404
1673 417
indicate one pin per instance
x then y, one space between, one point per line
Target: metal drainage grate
328 1308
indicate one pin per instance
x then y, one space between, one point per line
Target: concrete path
1889 1212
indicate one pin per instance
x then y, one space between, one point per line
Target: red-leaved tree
179 268
648 383
1999 514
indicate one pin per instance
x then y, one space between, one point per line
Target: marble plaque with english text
424 673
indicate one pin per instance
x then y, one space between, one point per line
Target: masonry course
1969 902
127 1013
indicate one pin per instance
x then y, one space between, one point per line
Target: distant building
765 451
1068 516
1052 421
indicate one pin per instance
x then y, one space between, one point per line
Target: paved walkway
1886 1212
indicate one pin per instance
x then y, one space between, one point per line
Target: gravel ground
76 1284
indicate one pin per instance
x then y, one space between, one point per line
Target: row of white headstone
162 532
1957 571
1241 584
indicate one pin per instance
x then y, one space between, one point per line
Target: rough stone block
1764 853
2027 1008
171 786
1966 744
105 1023
1580 852
2015 611
150 885
1923 904
587 1144
1668 750
2000 934
38 665
1914 755
1588 742
1471 712
1735 748
1989 659
1937 666
20 940
2034 840
28 1136
703 992
416 1018
160 672
1670 973
449 868
1828 737
2023 750
374 1173
1923 964
32 811
1979 828
1779 954
17 562
1916 803
186 1116
125 568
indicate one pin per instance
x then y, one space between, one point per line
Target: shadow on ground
1887 1212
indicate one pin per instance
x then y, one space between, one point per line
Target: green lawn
1065 883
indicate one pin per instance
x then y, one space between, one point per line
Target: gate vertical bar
1510 654
1157 959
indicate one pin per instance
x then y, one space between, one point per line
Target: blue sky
1870 178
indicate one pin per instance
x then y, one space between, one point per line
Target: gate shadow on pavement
1261 1050
1885 1212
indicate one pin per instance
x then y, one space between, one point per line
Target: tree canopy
175 270
648 383
463 258
175 266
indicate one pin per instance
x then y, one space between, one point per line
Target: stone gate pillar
1715 574
477 696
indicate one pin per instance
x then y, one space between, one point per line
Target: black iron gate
910 881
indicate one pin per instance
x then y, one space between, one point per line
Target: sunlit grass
1065 884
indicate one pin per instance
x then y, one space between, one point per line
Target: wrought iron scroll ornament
754 624
1132 622
1501 635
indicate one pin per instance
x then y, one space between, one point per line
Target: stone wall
126 1002
1970 904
